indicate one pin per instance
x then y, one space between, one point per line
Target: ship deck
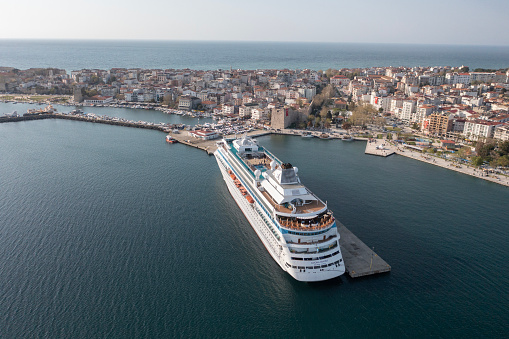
313 207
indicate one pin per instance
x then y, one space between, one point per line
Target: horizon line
249 41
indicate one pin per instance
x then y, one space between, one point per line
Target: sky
470 22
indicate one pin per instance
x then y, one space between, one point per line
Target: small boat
170 140
347 137
308 135
324 136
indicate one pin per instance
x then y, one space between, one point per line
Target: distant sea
206 55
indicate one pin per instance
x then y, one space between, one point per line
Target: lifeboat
249 199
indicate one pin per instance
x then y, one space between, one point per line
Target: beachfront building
437 124
97 99
187 102
480 129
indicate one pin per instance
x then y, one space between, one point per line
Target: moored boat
170 139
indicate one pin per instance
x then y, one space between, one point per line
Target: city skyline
454 22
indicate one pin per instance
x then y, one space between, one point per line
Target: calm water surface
115 233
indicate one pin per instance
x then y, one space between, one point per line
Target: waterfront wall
82 118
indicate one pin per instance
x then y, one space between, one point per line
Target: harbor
155 207
360 259
356 253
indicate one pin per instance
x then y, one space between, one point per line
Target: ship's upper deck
277 182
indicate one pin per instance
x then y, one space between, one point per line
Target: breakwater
100 120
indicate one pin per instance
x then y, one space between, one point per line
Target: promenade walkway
499 179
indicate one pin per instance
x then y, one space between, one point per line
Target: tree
363 115
464 152
318 120
477 161
323 112
502 161
483 149
331 72
503 148
346 125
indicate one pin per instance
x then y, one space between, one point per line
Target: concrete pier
360 260
208 146
379 147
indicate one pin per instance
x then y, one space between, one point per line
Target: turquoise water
107 231
79 54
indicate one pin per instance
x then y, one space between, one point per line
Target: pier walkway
379 147
360 260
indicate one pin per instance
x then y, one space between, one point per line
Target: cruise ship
294 225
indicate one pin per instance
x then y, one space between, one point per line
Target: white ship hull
268 233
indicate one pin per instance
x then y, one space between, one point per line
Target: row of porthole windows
316 258
314 267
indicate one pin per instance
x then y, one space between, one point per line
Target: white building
228 109
482 76
339 80
479 129
457 78
245 111
97 99
205 135
259 114
501 132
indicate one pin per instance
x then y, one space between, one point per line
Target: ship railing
311 242
317 250
293 224
271 155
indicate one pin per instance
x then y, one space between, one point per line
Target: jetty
379 147
209 146
360 260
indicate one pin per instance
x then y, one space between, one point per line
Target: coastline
209 146
477 173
